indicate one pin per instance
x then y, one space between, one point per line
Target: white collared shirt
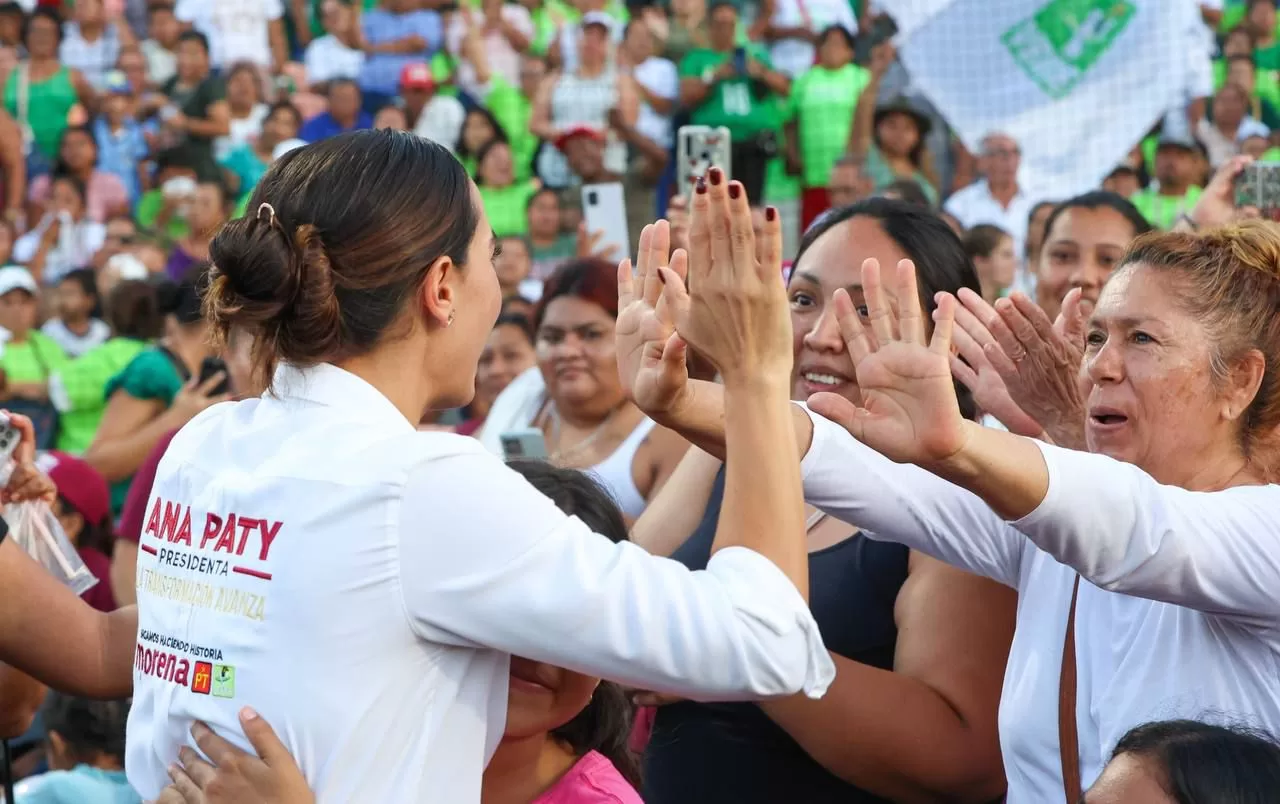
975 204
362 584
1178 614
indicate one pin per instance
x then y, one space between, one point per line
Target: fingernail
248 713
735 190
716 175
771 214
701 186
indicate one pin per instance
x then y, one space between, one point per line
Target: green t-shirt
247 166
149 375
1162 211
732 102
33 360
549 258
149 207
822 103
1267 58
882 175
78 391
512 110
506 206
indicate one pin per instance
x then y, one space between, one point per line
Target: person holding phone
725 84
403 635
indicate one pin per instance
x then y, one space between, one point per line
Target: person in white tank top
575 398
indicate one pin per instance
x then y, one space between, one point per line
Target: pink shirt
105 191
593 780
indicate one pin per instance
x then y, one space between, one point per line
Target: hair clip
271 212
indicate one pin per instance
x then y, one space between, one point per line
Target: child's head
162 24
84 732
513 261
83 506
77 295
117 101
582 712
18 300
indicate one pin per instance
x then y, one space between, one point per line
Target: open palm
651 357
909 411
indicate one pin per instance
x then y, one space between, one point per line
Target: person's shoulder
592 780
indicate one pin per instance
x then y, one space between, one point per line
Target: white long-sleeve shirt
362 585
1178 614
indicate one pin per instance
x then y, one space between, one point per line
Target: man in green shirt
1175 191
735 87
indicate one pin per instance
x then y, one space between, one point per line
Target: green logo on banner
224 681
1058 45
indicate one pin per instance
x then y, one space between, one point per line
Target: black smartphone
740 60
211 366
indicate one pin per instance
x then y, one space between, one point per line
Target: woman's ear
437 295
1243 384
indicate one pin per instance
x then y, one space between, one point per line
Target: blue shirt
381 72
83 785
317 128
120 153
247 166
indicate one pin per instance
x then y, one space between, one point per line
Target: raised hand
909 410
651 356
1038 360
735 309
973 370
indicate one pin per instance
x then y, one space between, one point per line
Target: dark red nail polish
715 175
701 186
735 190
771 214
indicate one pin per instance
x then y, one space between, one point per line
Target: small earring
449 323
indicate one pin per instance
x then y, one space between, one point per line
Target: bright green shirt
506 206
1267 58
822 103
731 102
78 391
149 207
34 359
512 110
1162 211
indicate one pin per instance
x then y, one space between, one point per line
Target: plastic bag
34 528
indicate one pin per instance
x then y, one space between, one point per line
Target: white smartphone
528 443
697 149
604 210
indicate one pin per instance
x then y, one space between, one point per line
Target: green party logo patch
224 681
1057 46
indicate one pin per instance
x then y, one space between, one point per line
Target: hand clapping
909 410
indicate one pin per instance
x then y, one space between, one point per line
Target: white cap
597 18
285 147
127 267
15 277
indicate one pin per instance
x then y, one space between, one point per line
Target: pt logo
224 681
202 679
1057 46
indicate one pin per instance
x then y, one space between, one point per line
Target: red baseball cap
578 131
79 484
416 76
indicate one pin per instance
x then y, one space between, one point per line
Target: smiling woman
574 396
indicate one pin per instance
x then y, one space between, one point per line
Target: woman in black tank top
919 647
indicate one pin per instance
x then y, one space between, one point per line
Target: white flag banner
1077 83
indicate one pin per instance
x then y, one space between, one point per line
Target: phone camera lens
593 198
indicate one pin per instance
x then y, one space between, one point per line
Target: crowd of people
998 521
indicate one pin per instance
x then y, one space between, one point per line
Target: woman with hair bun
363 584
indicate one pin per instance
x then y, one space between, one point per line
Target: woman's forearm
764 501
700 419
92 654
671 517
1007 471
118 458
893 736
